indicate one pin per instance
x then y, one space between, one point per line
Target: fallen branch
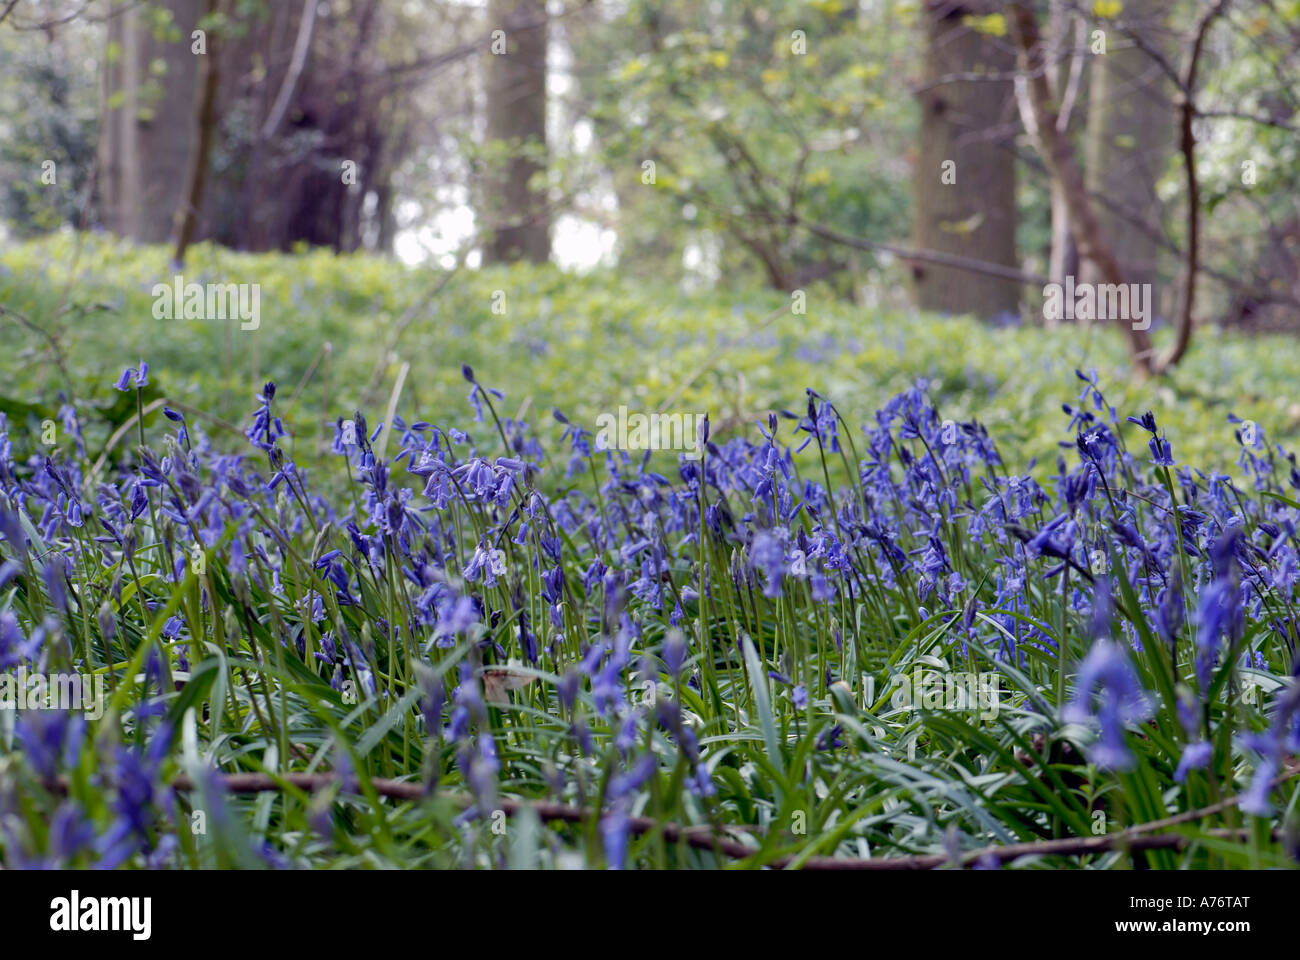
1139 837
1069 846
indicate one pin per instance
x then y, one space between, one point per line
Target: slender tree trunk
1064 258
1058 154
1068 33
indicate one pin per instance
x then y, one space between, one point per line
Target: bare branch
1187 114
925 256
301 45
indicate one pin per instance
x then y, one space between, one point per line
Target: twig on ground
1139 837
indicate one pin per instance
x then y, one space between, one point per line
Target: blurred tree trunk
245 209
516 117
1130 139
386 228
119 189
325 208
187 207
971 124
149 85
1066 34
308 139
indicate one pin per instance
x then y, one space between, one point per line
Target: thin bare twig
1187 114
56 351
430 293
925 256
117 435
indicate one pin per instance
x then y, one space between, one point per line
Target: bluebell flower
614 835
1121 701
1271 745
674 652
1161 452
50 739
1196 756
1147 422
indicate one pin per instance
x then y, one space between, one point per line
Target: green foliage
749 115
47 116
586 345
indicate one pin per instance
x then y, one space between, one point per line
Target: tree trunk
149 134
187 209
297 84
966 129
1129 143
516 116
1058 155
119 170
1067 35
